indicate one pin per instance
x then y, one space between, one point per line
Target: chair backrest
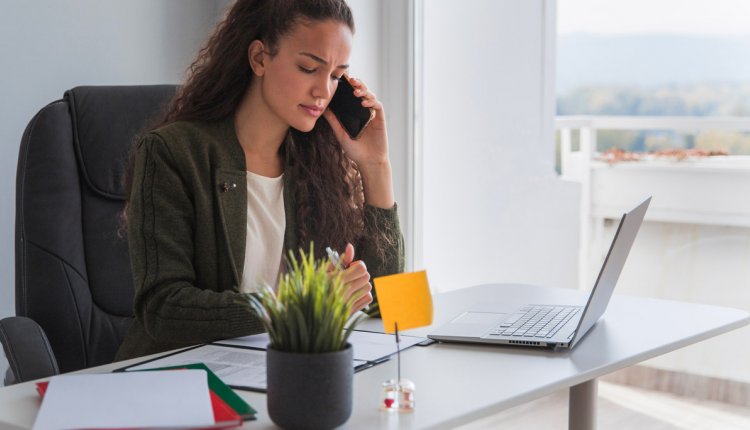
72 268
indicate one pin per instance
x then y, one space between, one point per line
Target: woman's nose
324 89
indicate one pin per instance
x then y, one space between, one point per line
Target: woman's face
299 81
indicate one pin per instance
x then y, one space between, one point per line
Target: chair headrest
106 121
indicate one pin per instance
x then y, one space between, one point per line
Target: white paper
127 400
368 346
239 367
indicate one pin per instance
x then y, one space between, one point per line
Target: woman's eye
306 70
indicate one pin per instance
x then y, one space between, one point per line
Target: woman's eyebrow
322 61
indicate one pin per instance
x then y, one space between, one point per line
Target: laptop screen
630 223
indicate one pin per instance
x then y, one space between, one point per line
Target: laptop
547 325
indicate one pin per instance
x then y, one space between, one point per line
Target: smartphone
349 110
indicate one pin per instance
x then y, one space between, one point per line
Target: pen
334 257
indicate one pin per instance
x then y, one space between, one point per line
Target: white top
265 231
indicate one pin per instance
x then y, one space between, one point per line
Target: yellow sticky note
404 298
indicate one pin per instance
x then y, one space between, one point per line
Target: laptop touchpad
482 318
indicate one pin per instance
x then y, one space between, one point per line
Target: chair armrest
27 349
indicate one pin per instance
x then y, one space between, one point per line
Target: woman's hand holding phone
371 147
369 150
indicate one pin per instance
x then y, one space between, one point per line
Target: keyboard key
512 320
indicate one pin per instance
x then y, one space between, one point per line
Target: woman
244 169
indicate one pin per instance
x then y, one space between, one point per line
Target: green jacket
187 220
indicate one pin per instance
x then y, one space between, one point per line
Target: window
667 58
668 84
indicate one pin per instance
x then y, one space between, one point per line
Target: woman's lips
312 110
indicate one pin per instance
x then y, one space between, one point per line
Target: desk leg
582 406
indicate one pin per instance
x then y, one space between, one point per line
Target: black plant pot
309 391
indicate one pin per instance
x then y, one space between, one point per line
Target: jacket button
226 186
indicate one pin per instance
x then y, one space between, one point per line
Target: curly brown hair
327 185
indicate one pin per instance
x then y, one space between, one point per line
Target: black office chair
73 280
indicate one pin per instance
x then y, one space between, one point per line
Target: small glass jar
398 396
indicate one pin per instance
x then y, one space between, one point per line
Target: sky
618 17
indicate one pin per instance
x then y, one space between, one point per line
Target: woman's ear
256 58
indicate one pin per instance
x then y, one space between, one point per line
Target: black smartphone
349 110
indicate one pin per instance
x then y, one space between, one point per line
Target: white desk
460 383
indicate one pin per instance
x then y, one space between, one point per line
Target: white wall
493 207
364 62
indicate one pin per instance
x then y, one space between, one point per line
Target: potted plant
309 363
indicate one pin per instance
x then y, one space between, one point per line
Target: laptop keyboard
536 321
